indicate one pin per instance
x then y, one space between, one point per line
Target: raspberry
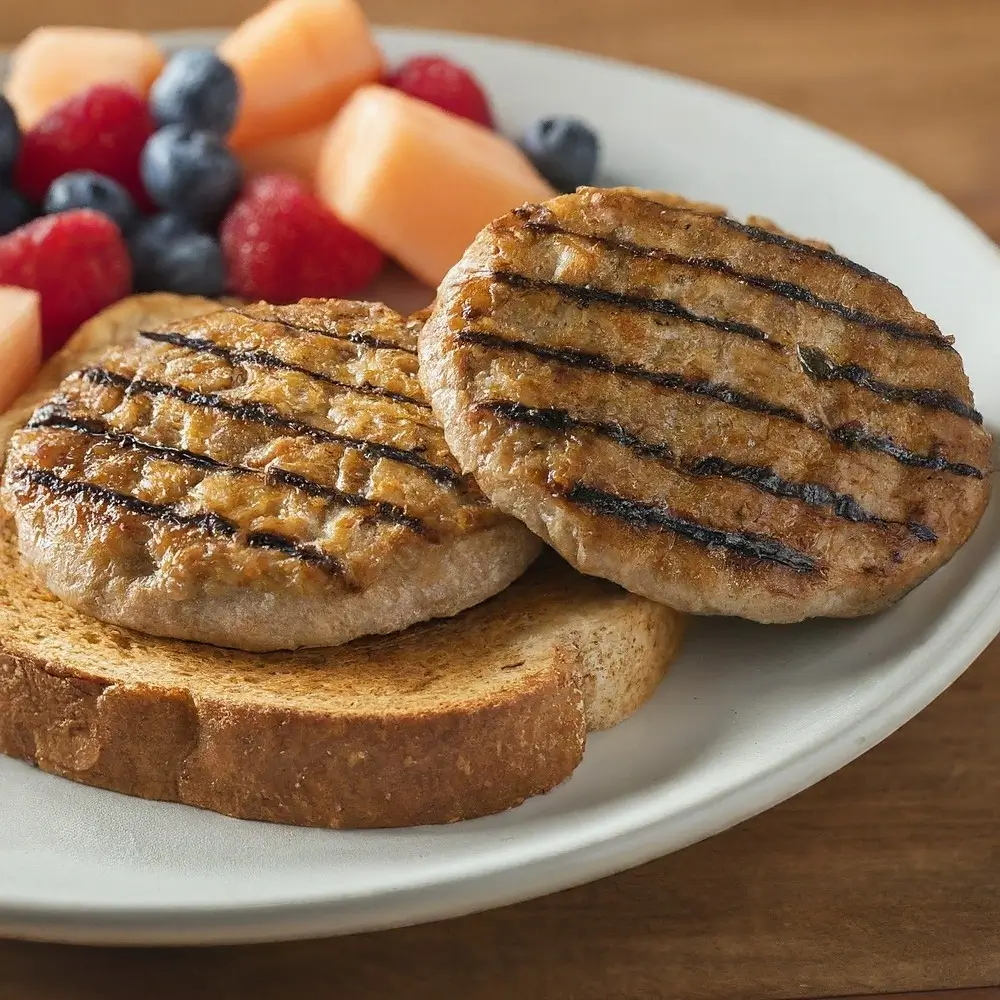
77 261
102 129
282 244
439 81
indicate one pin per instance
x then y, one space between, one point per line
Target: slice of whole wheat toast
453 719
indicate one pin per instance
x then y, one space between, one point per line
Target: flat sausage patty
261 478
711 413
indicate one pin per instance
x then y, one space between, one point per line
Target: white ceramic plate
750 716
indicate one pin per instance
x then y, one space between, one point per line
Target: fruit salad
289 162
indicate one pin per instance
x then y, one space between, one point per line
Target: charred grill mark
822 368
847 435
253 411
52 417
382 509
762 477
858 439
789 243
718 391
901 331
265 359
307 553
783 289
355 337
651 517
213 524
761 235
585 295
561 421
81 490
767 236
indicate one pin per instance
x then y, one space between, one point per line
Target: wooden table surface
883 878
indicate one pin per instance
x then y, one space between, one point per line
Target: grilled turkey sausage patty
263 478
711 413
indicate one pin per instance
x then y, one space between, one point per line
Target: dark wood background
885 877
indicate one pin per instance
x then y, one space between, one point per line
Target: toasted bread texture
457 718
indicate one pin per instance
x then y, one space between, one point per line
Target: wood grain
886 876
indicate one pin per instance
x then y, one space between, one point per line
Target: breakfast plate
749 715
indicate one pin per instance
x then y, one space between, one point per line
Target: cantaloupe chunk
297 62
297 155
418 181
20 341
52 64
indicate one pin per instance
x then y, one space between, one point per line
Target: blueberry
564 150
87 189
147 239
191 173
196 89
10 137
156 229
15 210
170 255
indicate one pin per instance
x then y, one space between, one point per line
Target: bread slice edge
246 758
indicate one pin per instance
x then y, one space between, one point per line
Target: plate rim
634 836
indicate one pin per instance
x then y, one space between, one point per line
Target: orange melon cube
297 62
52 64
20 341
418 181
297 155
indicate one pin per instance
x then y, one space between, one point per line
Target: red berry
282 244
101 129
77 261
439 81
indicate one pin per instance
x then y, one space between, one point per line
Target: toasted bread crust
263 763
447 721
